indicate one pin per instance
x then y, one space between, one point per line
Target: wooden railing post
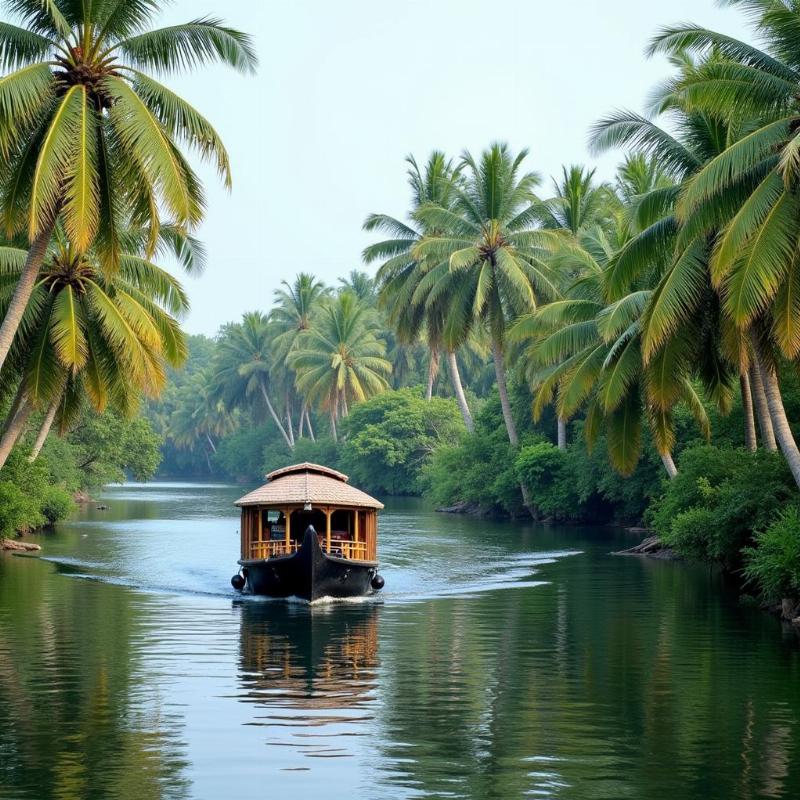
288 536
328 513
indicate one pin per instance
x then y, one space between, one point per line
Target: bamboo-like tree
340 360
88 134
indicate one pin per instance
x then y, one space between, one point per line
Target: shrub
56 503
773 563
547 473
718 499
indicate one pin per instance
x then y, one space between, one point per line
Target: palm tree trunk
275 417
211 443
502 388
780 424
308 423
289 420
505 404
302 422
433 371
762 409
333 424
19 398
747 408
14 430
24 289
45 429
461 398
562 433
669 464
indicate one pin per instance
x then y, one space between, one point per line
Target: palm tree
577 204
483 258
244 364
361 285
400 274
750 187
90 333
340 360
200 418
291 315
588 352
87 134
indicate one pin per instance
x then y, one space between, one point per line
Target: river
501 661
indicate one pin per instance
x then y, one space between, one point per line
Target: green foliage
719 497
28 497
773 564
107 447
480 470
390 439
547 473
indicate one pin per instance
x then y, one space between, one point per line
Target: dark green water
502 662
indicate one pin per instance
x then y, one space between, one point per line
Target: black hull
309 574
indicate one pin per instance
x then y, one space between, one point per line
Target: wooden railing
271 549
356 551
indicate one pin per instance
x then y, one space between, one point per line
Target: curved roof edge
307 466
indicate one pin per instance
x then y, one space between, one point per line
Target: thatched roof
308 483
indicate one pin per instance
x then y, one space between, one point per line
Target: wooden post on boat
328 513
288 536
261 548
355 548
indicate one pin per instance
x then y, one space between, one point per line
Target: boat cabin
276 516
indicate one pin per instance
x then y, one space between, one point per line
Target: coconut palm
244 365
483 258
291 315
587 352
200 418
750 187
410 313
340 360
86 133
88 332
578 203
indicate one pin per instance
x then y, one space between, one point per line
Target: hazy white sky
345 90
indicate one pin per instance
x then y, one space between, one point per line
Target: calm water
502 661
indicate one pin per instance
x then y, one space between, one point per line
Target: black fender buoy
237 581
377 582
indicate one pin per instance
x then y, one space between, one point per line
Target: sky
345 90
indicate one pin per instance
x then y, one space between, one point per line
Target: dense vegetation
620 350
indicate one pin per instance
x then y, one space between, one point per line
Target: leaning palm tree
750 189
244 366
587 352
89 333
340 360
400 272
484 258
88 134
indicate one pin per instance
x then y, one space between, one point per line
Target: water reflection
78 721
537 674
311 673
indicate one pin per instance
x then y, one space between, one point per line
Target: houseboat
308 533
